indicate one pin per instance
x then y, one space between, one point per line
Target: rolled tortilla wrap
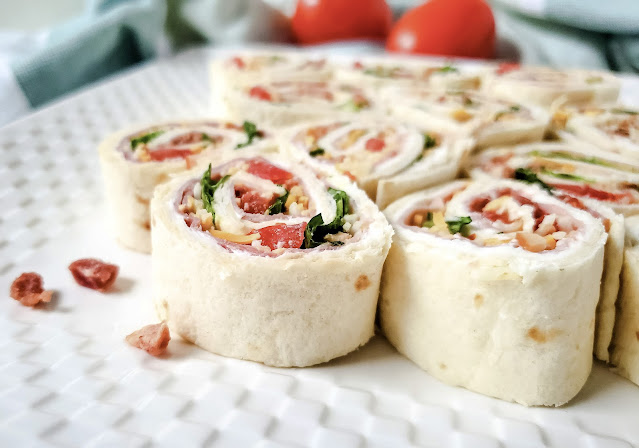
135 160
544 86
578 170
385 72
625 344
387 159
492 286
567 171
613 129
490 121
286 272
284 102
227 73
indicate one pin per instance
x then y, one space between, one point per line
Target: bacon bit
282 236
461 115
153 339
551 243
260 93
375 144
531 242
238 62
506 67
28 290
472 236
94 274
234 238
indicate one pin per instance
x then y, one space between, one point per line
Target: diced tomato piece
594 193
239 63
506 67
375 144
252 201
288 236
265 170
358 65
260 93
159 155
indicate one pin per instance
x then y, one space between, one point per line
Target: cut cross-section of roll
228 72
134 161
490 121
578 170
613 129
493 286
267 260
284 102
625 345
376 72
551 166
545 86
386 158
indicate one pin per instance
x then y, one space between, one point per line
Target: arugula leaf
624 111
316 229
316 152
428 222
429 141
251 132
278 205
206 138
208 190
528 176
448 69
459 225
146 138
567 176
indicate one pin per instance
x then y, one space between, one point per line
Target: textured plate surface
68 379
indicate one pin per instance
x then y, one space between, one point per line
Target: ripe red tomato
317 21
464 28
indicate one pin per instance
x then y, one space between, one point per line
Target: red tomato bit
265 170
260 93
283 236
375 144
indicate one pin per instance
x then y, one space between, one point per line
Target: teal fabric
602 34
109 36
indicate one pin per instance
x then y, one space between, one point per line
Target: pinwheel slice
493 286
490 121
376 72
578 170
226 73
544 86
586 181
613 129
268 260
387 159
625 344
285 102
134 161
